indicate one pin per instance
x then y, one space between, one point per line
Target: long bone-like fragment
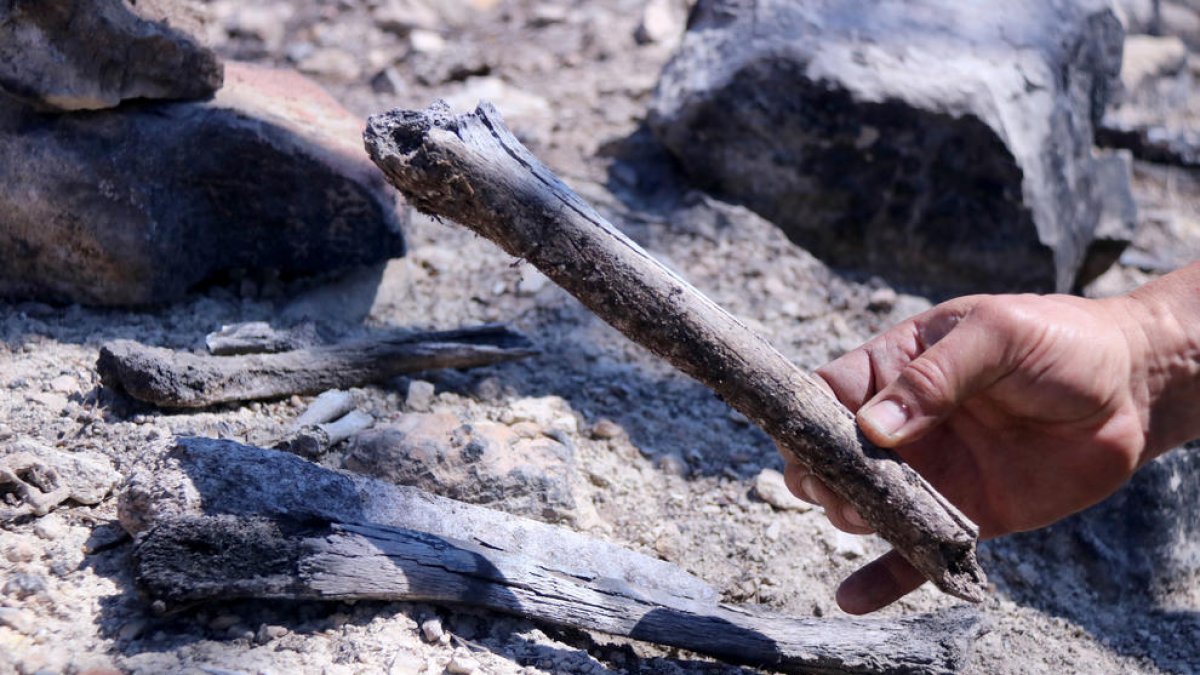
472 170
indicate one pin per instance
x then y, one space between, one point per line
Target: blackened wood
208 476
173 379
472 170
192 559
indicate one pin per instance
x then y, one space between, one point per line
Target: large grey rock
1141 544
139 205
936 142
477 462
93 54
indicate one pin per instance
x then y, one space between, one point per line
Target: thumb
961 362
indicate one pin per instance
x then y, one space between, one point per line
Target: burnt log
187 560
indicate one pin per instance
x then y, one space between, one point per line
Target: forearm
1162 323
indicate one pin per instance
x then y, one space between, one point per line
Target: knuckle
927 380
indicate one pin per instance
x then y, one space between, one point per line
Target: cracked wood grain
195 559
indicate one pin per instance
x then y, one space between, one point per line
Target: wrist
1161 324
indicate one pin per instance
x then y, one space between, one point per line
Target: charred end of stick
128 367
402 131
193 559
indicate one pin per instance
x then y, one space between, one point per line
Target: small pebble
432 629
64 384
20 552
131 630
532 282
420 396
462 665
267 633
22 586
426 41
605 429
489 389
50 528
17 619
770 487
848 546
882 299
672 464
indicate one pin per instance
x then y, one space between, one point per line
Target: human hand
1021 410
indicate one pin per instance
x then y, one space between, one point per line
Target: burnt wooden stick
173 379
472 170
208 476
189 559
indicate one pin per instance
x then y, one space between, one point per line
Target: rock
268 633
936 143
94 54
64 384
1182 20
770 487
848 546
138 206
532 282
663 22
404 16
42 478
388 81
431 629
1157 118
462 665
18 620
331 63
426 42
479 462
1138 16
606 429
1148 58
1140 544
20 551
132 629
22 586
672 464
548 412
50 528
265 23
420 396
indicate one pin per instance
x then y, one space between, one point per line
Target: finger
858 375
966 356
840 513
794 474
878 584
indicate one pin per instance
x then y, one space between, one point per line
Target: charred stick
189 559
173 379
472 170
